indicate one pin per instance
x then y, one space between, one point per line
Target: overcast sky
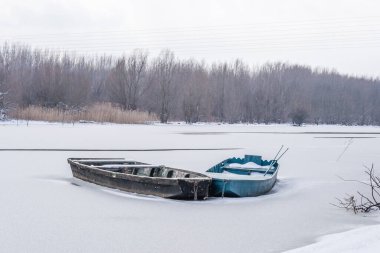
339 34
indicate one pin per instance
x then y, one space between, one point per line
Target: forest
186 90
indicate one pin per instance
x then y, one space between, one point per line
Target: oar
276 160
282 154
273 160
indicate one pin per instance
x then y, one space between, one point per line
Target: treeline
187 90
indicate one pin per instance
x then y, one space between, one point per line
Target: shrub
103 112
299 116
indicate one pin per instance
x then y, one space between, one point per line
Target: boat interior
238 166
246 171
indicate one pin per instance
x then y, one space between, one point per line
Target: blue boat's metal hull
242 188
230 185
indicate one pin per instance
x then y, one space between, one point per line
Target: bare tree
3 93
3 105
126 79
164 67
193 81
100 75
220 80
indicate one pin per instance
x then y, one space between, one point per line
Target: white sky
339 34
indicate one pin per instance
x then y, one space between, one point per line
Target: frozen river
43 209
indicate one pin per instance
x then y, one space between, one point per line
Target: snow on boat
243 177
142 178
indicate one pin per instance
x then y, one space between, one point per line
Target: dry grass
98 113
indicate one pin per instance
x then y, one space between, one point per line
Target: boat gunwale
270 172
274 174
148 179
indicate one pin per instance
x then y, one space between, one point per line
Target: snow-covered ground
365 240
43 209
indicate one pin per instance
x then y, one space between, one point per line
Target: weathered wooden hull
173 188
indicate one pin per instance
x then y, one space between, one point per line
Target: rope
224 187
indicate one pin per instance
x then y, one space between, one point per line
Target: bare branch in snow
362 202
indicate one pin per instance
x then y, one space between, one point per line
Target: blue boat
243 177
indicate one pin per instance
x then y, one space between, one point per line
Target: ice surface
43 209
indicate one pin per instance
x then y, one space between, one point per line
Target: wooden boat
142 178
243 177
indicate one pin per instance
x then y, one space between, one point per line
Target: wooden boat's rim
128 166
163 179
102 160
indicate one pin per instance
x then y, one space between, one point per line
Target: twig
366 204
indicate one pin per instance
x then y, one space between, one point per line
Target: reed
101 112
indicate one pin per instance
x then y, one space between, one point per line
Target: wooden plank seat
243 170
